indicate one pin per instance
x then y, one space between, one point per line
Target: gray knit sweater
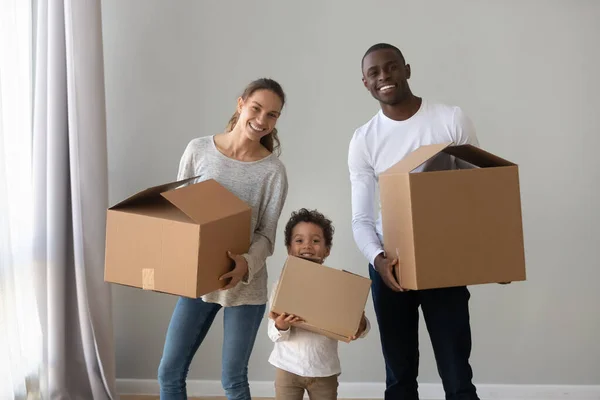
263 186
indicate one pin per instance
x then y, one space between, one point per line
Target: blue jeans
446 313
191 320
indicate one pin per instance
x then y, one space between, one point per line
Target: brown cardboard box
453 227
175 240
330 301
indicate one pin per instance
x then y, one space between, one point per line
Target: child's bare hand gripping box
329 301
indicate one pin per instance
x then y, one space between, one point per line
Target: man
404 123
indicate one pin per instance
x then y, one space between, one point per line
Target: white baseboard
374 390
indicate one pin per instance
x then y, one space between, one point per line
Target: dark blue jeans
446 313
191 320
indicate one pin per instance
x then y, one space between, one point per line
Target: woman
244 160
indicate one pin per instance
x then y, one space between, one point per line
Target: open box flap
152 191
417 158
476 156
205 202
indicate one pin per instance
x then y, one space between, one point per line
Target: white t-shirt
381 143
304 353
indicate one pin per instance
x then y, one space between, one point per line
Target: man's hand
284 321
385 267
240 270
361 328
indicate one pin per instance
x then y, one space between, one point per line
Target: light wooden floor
151 397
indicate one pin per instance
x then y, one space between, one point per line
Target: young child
306 361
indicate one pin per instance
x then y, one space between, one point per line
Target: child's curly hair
314 217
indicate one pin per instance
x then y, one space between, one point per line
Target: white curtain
20 335
55 309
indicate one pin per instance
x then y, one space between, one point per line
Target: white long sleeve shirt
304 353
381 143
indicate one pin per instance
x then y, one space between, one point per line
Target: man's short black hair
381 46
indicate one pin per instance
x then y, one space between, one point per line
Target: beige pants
289 386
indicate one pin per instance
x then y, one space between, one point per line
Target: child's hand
361 327
284 321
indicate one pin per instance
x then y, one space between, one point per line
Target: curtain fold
70 189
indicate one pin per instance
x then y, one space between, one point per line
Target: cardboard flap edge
357 275
174 196
153 190
478 156
417 158
278 286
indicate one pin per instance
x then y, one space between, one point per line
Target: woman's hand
239 271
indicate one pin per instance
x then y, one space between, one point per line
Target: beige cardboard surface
330 301
457 227
174 239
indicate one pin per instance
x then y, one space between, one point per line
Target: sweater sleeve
186 163
263 240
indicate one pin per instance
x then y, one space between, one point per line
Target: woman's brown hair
270 141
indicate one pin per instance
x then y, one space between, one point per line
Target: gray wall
525 71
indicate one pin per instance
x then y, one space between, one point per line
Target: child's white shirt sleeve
275 334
